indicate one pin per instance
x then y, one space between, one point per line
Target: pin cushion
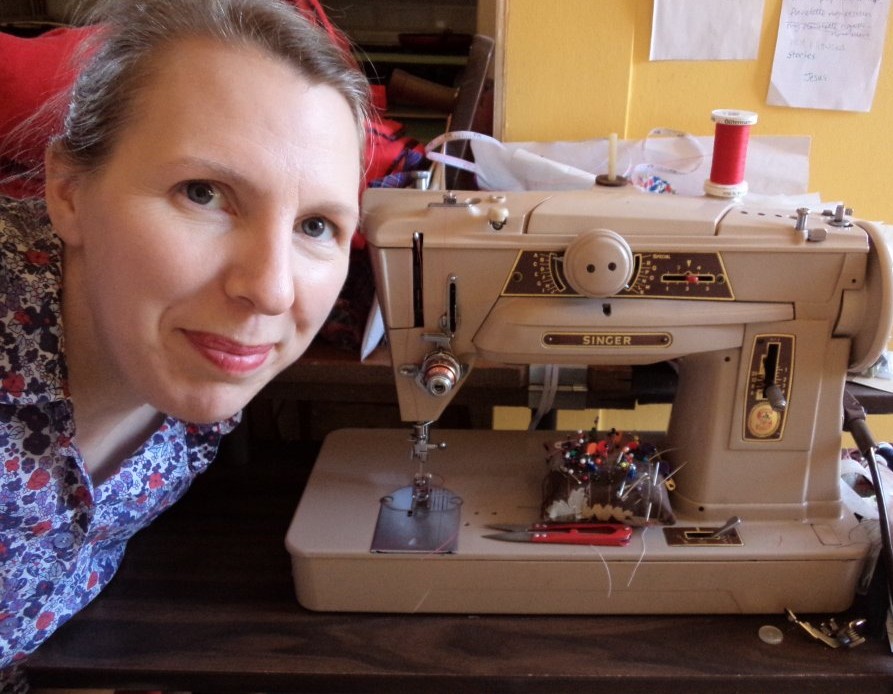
611 477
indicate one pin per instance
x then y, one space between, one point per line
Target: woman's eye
317 227
202 193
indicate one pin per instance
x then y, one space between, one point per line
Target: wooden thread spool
729 153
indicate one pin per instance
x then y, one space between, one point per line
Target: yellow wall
579 69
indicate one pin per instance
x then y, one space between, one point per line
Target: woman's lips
228 355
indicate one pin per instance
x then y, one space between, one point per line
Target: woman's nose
262 269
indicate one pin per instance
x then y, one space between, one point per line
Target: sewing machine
763 311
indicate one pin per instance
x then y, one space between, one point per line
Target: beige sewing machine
763 311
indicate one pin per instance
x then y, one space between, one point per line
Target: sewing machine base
801 565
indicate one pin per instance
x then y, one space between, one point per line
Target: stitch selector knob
598 263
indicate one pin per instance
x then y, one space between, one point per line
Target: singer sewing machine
763 311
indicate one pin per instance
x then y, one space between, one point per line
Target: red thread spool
729 153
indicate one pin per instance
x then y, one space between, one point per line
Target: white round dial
598 263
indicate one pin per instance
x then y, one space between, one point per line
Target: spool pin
729 153
611 179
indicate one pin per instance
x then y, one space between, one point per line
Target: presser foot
830 633
420 518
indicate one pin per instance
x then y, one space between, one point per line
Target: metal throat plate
433 529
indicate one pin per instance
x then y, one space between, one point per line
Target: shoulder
25 224
31 365
186 445
202 440
29 248
24 210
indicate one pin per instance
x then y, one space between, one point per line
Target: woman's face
210 249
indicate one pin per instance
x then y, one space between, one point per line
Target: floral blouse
61 538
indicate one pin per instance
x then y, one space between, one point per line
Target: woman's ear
62 187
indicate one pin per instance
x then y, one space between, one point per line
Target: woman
199 206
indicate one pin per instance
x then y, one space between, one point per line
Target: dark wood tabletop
204 602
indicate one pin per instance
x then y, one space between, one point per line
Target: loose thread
607 570
641 559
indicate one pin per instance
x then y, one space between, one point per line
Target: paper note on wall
706 29
828 54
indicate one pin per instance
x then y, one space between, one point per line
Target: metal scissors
602 534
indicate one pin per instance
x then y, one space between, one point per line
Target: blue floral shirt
61 537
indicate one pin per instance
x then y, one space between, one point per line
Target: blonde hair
119 61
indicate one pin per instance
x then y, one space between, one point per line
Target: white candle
612 157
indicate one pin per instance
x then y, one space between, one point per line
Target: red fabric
32 71
313 9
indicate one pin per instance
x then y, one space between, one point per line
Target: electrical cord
854 422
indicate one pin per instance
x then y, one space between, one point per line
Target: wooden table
204 603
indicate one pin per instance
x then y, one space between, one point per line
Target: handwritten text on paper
828 54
